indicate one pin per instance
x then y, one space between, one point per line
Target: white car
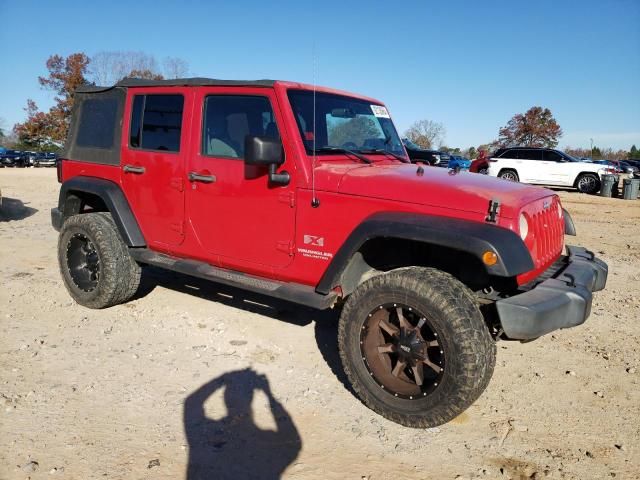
545 166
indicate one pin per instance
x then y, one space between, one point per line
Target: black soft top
192 82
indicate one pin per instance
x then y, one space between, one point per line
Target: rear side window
156 122
97 123
228 119
532 154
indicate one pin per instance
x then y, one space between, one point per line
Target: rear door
153 162
528 165
236 215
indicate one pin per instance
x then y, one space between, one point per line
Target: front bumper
562 301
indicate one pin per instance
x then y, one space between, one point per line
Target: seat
271 131
218 141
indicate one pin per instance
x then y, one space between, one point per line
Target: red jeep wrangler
307 194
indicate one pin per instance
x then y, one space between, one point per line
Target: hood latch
494 211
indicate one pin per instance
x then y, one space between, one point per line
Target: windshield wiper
344 150
381 150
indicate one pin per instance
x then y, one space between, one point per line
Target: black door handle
196 177
133 169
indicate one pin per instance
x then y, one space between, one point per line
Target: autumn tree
535 128
46 129
38 131
426 133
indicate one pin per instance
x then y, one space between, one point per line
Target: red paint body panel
240 222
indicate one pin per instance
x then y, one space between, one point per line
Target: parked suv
545 166
306 194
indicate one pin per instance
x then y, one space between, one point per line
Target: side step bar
292 292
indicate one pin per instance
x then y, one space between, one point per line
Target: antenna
315 203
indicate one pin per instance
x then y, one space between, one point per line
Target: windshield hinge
288 197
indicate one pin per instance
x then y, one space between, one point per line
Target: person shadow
234 447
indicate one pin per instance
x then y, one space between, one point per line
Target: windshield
343 122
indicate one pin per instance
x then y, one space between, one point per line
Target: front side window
551 156
156 122
343 122
229 119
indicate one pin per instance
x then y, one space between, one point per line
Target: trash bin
608 181
630 187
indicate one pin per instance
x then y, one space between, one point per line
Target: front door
555 167
236 215
153 163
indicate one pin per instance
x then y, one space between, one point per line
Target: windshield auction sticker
380 111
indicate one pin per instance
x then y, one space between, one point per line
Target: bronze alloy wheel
401 351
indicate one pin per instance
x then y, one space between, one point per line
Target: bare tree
426 133
175 67
108 68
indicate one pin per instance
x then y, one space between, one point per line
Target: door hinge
288 197
177 183
177 227
286 247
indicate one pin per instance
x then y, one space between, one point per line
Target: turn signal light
489 258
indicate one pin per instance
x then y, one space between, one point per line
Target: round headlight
524 226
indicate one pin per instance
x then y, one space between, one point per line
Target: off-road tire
119 275
591 186
470 350
509 174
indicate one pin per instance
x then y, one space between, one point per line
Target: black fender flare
463 235
113 197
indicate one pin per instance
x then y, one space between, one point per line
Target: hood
437 187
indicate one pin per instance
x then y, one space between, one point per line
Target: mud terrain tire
95 263
453 318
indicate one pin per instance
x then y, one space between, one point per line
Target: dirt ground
255 387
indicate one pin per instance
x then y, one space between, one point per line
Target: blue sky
470 65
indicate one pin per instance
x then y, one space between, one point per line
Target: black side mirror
266 152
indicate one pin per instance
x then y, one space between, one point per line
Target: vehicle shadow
234 447
562 189
326 322
14 210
